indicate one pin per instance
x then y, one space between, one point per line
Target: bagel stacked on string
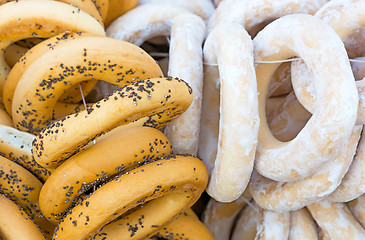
306 188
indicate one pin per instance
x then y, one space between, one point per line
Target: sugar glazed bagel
251 13
228 155
46 19
91 57
344 17
185 59
319 140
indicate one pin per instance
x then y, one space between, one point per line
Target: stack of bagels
186 119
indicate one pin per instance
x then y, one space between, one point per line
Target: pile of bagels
186 119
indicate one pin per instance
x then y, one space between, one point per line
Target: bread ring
103 7
23 188
87 57
159 99
320 139
46 19
5 119
118 8
183 181
229 157
85 5
186 226
83 170
219 217
202 8
357 208
15 223
36 53
249 13
16 146
352 185
302 226
185 61
246 224
336 221
272 225
344 17
281 196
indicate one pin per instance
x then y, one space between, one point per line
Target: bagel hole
285 115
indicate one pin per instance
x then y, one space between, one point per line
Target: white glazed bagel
230 119
250 13
336 112
344 16
202 8
336 220
185 59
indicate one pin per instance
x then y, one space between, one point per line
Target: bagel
72 95
185 59
321 138
84 58
15 224
288 196
82 171
302 226
180 185
118 8
246 223
186 226
344 17
357 209
272 225
85 5
336 220
250 13
220 217
230 119
16 146
46 19
23 188
202 8
160 100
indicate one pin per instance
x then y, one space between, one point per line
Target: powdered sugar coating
345 17
230 118
336 221
202 8
281 196
335 115
302 226
187 34
273 225
249 13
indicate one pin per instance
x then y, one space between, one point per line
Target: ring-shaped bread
101 161
155 101
230 119
187 33
84 58
163 197
46 19
332 122
345 17
15 224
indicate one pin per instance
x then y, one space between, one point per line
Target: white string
250 204
159 54
282 61
82 96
